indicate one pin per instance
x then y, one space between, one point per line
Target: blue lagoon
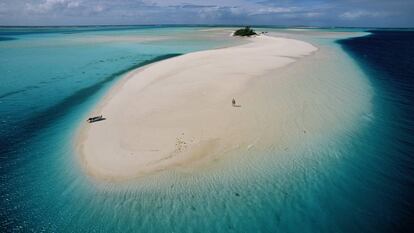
325 141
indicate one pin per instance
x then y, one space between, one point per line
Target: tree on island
247 31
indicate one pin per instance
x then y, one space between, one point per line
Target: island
247 31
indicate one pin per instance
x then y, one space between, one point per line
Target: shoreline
173 129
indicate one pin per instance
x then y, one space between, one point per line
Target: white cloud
268 10
313 14
99 8
353 15
219 3
74 4
289 12
49 5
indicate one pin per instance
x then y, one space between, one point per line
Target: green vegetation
247 31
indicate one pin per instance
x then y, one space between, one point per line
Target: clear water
51 78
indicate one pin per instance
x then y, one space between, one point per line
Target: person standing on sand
233 102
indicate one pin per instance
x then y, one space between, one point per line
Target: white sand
177 113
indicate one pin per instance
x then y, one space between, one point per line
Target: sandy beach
178 113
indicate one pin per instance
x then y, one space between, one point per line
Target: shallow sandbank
177 113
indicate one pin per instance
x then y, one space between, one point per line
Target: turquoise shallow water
49 82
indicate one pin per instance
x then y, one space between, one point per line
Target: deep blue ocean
51 77
387 57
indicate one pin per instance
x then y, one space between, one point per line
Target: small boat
95 119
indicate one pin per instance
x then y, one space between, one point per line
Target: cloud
313 14
49 5
356 14
73 4
264 12
194 6
273 10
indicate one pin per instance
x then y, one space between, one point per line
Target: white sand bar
178 113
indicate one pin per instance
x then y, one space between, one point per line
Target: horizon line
201 25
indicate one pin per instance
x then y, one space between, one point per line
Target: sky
352 13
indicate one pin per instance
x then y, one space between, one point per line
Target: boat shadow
95 119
